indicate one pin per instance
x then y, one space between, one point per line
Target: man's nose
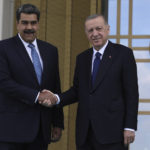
95 32
29 26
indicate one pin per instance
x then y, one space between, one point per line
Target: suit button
91 92
90 96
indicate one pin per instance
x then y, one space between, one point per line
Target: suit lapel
44 58
104 65
89 66
25 57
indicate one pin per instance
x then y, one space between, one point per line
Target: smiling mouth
96 40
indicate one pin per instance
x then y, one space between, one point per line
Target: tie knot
98 55
31 46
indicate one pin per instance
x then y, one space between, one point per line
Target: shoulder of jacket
45 43
84 53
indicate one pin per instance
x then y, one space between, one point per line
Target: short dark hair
95 16
27 9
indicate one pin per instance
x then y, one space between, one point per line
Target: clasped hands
47 98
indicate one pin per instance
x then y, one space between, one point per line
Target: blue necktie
36 62
95 66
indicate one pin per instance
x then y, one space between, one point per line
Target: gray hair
95 16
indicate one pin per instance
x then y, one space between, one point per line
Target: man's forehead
24 16
96 23
97 19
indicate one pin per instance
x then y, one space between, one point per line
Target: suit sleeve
130 87
70 96
58 116
10 87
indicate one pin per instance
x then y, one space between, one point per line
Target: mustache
29 31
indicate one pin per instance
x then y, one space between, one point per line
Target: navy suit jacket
20 117
112 103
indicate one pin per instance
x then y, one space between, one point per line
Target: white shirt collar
101 51
29 49
26 44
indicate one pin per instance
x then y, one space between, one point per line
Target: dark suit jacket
20 117
112 103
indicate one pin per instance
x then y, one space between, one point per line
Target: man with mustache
105 87
27 66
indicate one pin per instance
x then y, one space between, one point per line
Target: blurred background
62 24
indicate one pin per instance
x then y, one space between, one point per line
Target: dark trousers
37 144
91 143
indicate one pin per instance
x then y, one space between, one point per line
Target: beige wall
62 24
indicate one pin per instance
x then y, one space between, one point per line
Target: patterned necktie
36 62
95 66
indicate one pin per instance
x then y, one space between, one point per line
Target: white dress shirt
28 49
101 51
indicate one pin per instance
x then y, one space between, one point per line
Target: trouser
91 143
37 144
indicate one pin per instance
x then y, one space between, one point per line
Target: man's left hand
129 137
56 134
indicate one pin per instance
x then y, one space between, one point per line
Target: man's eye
90 31
33 22
99 29
29 22
25 22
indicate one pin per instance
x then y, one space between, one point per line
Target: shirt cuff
37 97
58 99
129 129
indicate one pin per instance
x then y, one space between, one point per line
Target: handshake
47 98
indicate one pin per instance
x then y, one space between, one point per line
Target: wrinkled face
97 32
27 26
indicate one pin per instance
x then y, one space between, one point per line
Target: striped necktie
36 62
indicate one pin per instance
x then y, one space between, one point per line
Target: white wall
6 18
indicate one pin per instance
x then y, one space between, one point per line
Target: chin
98 45
29 40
